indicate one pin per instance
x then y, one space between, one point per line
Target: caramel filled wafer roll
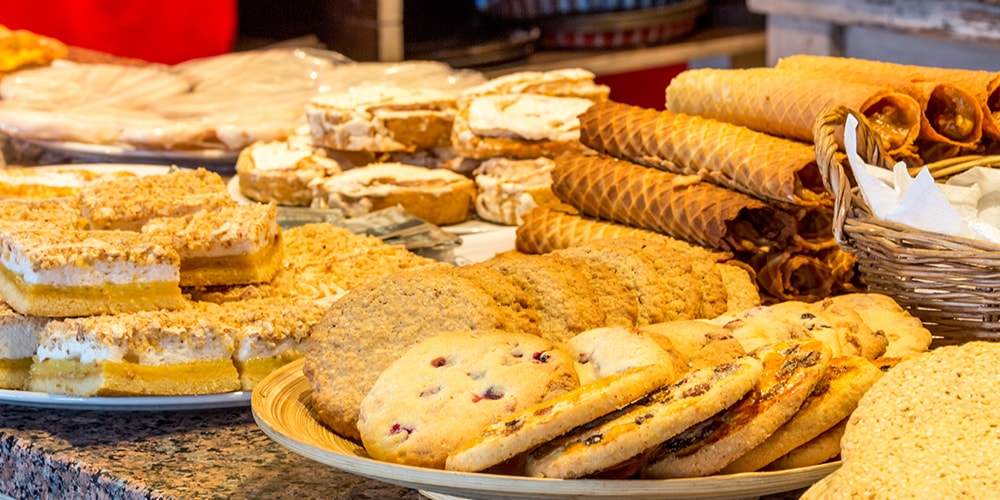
544 230
953 108
785 103
790 275
681 206
762 165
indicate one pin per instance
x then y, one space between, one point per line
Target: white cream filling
98 273
527 116
17 343
76 349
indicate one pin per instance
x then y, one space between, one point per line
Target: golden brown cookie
791 371
445 389
831 401
816 451
551 418
700 344
622 435
602 352
905 334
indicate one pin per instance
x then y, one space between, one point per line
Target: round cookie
561 295
551 418
620 306
816 451
905 334
699 343
668 284
375 323
926 429
447 388
847 378
602 352
622 435
791 371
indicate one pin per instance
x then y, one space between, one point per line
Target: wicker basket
951 283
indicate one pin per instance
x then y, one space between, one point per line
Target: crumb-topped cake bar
68 272
232 245
143 353
127 204
62 212
17 346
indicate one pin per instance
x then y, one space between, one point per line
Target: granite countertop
128 455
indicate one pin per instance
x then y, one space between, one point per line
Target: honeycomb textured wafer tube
545 230
956 103
681 206
767 167
785 103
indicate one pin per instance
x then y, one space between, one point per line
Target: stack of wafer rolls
960 107
742 164
785 103
761 165
682 206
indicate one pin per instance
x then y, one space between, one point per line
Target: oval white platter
125 403
281 406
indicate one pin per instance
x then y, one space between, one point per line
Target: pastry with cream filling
381 118
280 171
143 353
66 272
127 204
435 195
63 212
507 189
232 245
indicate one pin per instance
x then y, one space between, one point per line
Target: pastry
437 196
445 389
129 203
67 272
791 371
507 189
17 346
143 353
555 416
564 82
280 171
602 352
623 434
228 246
381 118
62 212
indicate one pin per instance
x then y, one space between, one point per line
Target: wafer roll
953 111
758 164
544 230
785 103
790 275
681 206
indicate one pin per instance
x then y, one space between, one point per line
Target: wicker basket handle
829 159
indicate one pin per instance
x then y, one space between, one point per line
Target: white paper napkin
968 205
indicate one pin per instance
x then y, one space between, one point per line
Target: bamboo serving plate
282 408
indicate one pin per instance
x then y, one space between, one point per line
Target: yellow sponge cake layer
62 273
17 346
110 378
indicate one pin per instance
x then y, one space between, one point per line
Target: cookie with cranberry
551 418
620 436
447 388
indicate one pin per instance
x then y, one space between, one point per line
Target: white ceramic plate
129 403
281 406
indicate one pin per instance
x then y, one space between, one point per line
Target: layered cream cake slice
232 245
17 346
127 204
142 353
268 333
69 272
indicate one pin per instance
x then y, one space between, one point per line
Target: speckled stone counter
163 455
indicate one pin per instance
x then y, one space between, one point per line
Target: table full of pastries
402 280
